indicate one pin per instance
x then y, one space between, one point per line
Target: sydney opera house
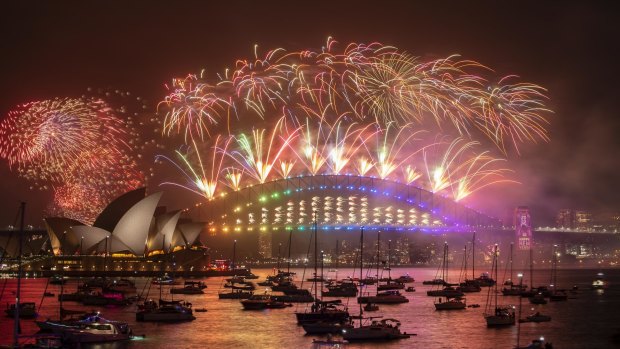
131 235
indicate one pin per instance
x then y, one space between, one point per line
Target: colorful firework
362 81
74 146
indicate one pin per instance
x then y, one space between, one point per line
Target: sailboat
385 329
451 302
343 288
236 292
510 289
496 315
446 291
321 311
390 284
470 285
556 295
384 297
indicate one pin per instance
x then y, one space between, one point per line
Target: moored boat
386 329
450 304
27 310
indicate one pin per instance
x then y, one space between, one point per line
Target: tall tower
523 228
264 243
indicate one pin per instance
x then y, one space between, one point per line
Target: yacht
55 325
386 329
391 286
342 289
538 298
503 316
434 282
451 304
469 286
164 313
264 301
485 280
298 296
328 311
164 280
190 287
447 291
536 317
404 279
256 302
97 332
386 297
235 294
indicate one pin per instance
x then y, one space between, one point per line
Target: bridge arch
339 202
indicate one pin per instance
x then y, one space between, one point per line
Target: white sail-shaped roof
133 227
91 236
62 237
191 231
115 210
178 239
166 224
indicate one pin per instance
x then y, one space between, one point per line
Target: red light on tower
523 228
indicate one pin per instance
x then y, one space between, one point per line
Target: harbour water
588 319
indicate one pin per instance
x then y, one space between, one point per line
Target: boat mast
337 259
278 265
316 254
322 256
361 270
388 261
445 261
378 245
290 236
520 275
473 255
234 255
495 261
554 268
464 271
16 329
510 264
531 267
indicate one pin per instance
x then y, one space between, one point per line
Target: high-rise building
264 244
583 220
565 219
523 228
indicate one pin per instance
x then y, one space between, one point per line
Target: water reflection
586 317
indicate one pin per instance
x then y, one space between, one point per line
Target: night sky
60 48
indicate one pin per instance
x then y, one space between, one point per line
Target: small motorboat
451 304
410 289
599 283
538 299
48 294
371 307
27 310
538 344
474 306
536 317
200 310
